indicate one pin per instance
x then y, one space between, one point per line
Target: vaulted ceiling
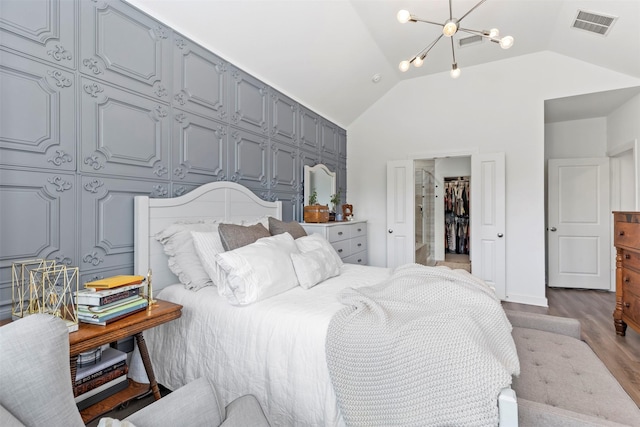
325 53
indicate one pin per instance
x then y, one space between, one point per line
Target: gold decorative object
42 286
150 300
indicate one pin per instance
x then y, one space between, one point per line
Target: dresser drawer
626 234
358 244
630 281
359 258
343 248
631 306
358 230
339 232
631 259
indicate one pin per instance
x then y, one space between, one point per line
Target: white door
400 213
579 218
488 220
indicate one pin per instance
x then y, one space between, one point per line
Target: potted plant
335 201
313 198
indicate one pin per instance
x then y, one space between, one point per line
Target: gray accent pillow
278 227
235 236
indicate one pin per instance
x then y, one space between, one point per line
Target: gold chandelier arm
470 10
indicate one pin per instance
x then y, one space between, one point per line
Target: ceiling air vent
471 40
594 22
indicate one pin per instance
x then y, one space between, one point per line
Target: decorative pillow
235 236
259 270
278 227
316 241
183 258
208 245
314 267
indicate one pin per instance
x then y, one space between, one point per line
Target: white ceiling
324 53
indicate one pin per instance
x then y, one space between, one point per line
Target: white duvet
273 349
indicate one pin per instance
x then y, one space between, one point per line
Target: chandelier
449 28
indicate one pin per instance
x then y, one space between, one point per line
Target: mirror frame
319 168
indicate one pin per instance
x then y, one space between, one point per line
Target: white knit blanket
428 347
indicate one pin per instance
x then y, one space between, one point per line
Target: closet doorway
442 200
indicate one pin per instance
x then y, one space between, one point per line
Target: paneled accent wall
100 103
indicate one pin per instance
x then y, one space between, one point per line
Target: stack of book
97 381
107 300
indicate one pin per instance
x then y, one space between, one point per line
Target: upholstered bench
562 382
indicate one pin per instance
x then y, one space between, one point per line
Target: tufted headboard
224 201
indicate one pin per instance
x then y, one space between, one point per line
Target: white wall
623 125
496 107
575 139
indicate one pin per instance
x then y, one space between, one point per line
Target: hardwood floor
594 310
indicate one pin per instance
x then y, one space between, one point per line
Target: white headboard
224 201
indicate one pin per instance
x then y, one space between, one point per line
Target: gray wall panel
249 102
123 133
45 29
285 173
37 114
126 47
248 163
309 130
199 80
199 148
106 212
37 220
284 118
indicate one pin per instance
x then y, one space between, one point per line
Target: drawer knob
359 230
339 250
627 305
359 244
339 233
626 280
627 256
621 233
359 261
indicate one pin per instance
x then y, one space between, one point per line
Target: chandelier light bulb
494 32
404 66
403 16
450 27
418 62
455 71
506 42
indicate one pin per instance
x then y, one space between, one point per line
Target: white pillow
317 241
208 245
314 266
183 260
259 270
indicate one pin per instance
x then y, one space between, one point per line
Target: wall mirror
320 179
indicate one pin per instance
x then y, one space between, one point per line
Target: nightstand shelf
91 336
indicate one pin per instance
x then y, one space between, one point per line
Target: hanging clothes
456 205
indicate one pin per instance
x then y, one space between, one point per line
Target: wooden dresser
627 242
349 238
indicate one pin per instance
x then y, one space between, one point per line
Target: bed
274 349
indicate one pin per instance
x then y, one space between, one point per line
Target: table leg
144 353
73 363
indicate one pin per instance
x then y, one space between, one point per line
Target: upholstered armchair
36 386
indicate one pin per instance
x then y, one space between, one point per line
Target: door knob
500 235
552 229
390 231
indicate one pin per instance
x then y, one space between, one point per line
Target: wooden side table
89 336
